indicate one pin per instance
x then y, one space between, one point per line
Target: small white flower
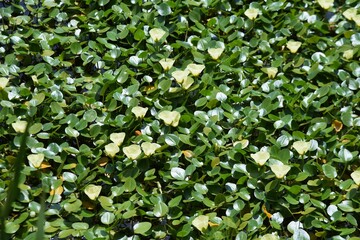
301 147
111 149
271 71
348 54
326 4
260 157
92 191
187 83
357 20
3 82
35 160
350 13
356 176
132 152
156 34
215 53
166 63
19 126
180 75
117 138
170 117
139 112
293 46
149 148
195 69
252 13
280 170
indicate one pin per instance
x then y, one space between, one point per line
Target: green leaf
160 209
130 184
11 227
90 115
301 234
178 173
108 218
75 48
142 228
80 226
164 9
329 171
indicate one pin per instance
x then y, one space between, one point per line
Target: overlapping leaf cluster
182 119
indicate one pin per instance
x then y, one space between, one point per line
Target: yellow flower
271 71
117 138
215 53
180 75
348 54
301 147
260 157
3 82
280 170
149 148
139 112
195 69
252 13
170 117
19 126
156 34
326 4
293 46
132 152
166 63
350 13
111 149
356 177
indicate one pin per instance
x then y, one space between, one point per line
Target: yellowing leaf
201 222
132 152
59 190
280 170
301 147
252 13
350 13
356 177
139 112
45 165
156 34
35 160
92 191
260 157
337 125
348 54
103 161
215 53
170 117
188 153
111 149
149 148
166 63
19 126
117 138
